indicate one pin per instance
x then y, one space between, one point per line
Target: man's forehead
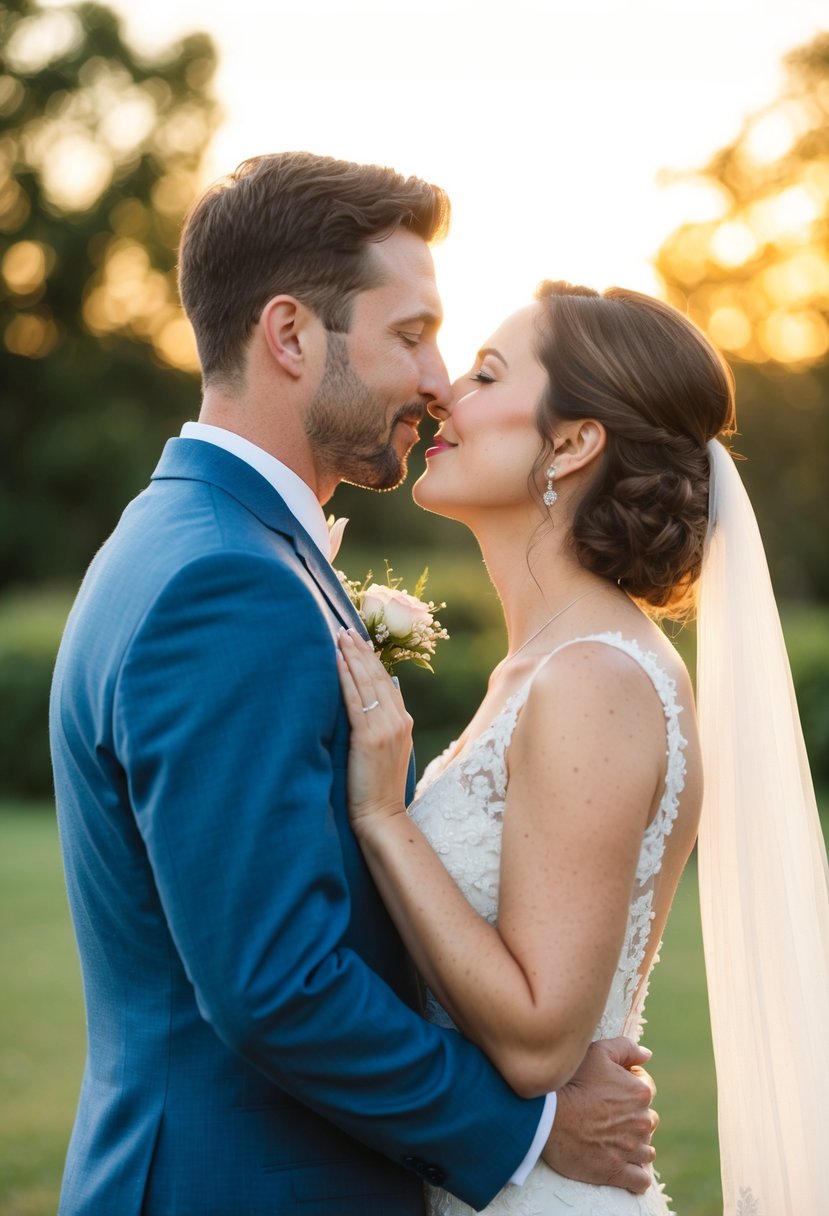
405 266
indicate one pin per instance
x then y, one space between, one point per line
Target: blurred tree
754 274
99 153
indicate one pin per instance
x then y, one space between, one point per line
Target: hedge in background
442 704
30 630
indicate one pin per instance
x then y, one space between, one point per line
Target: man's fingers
636 1071
634 1178
639 1152
627 1053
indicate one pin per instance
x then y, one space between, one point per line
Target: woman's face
487 444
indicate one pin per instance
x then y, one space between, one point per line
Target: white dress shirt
304 505
298 496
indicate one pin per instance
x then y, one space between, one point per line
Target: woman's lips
440 445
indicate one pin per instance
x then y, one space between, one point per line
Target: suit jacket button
434 1174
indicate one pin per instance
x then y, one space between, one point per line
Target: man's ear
577 445
287 325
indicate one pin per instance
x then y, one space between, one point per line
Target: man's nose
443 408
434 383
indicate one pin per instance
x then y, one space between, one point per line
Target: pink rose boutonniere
401 626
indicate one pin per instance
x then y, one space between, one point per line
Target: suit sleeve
226 707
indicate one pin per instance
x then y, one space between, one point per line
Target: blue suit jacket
254 1045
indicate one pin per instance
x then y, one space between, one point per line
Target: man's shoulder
193 472
181 519
178 543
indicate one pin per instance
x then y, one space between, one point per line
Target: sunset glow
558 129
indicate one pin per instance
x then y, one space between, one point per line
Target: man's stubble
347 429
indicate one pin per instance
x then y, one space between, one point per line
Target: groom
254 1045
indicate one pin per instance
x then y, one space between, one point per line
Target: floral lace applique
747 1203
616 1017
546 1193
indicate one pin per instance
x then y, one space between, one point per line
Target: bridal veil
764 881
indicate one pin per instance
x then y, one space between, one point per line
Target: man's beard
345 425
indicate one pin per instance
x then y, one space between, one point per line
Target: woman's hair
661 391
292 223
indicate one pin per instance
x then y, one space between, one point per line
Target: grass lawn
41 1014
678 1034
42 1044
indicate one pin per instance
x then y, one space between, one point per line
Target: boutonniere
336 528
400 626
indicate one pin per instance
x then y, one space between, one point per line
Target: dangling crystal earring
549 496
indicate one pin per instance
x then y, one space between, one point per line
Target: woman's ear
287 325
577 445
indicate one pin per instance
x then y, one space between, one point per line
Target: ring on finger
367 708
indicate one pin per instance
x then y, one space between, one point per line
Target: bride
533 874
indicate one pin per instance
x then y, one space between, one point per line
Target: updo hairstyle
661 391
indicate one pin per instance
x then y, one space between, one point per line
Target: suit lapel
195 460
324 575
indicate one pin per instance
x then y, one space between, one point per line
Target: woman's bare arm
586 765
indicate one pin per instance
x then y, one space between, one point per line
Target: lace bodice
459 806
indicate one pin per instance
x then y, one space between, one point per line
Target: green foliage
807 638
784 435
441 703
99 153
30 630
753 274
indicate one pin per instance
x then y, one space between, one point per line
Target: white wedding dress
459 806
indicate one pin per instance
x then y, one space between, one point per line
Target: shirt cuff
545 1126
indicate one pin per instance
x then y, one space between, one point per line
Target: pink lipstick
440 445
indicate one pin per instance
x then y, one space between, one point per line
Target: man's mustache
413 414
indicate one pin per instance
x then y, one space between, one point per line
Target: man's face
380 377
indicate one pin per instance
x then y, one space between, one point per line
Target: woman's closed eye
483 377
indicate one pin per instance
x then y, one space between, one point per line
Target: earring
549 496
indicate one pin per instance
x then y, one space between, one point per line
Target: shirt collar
298 497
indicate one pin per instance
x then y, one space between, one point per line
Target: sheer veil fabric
764 880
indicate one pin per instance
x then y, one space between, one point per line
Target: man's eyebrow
490 350
425 317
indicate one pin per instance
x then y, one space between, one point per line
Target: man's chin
376 477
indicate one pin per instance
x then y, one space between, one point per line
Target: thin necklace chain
554 617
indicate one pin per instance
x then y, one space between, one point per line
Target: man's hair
296 224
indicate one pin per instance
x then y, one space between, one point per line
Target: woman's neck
533 573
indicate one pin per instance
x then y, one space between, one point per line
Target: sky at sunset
548 121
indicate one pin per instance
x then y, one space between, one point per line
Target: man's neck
288 444
296 493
